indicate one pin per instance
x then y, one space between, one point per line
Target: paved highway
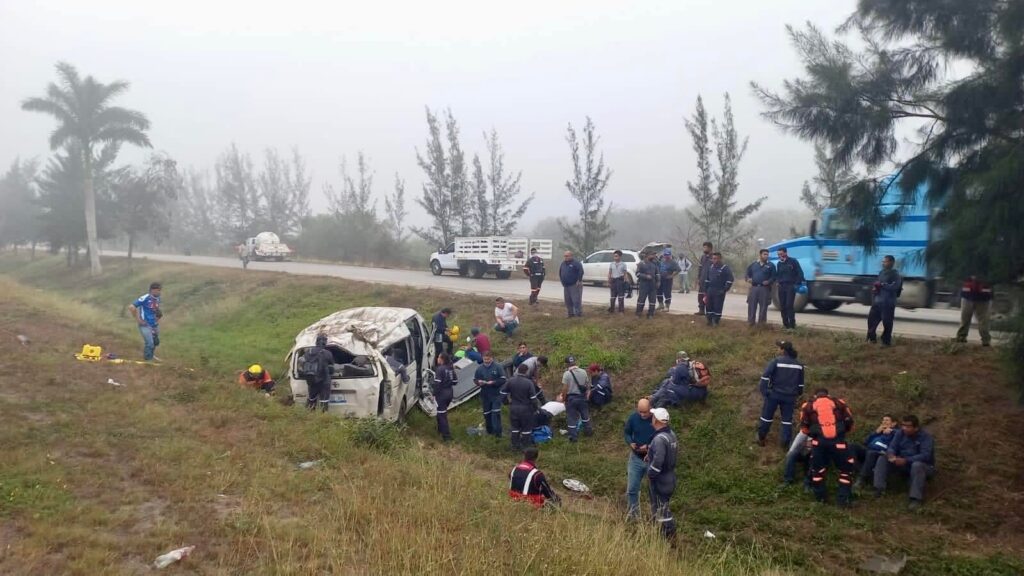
921 323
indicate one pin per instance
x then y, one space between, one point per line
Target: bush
909 388
589 344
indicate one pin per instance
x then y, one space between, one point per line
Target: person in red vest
527 482
975 302
827 420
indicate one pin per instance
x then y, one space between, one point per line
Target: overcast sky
333 78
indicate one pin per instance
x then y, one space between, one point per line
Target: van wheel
435 268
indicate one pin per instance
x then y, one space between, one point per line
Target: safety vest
520 484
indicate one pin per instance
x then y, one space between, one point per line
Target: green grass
183 434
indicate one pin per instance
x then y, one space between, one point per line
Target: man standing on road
719 282
638 433
617 282
523 399
760 276
147 314
647 283
976 302
442 339
684 274
661 470
885 292
788 275
506 317
535 271
576 391
570 273
667 268
703 266
490 377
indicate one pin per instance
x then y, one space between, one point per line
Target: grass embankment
100 478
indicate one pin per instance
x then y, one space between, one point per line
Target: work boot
914 506
667 306
661 305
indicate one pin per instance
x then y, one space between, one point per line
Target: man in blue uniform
534 270
781 384
886 290
788 275
716 286
667 268
570 274
703 266
760 275
647 282
490 377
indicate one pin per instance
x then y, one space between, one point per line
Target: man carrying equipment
827 420
257 378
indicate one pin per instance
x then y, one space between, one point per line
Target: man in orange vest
527 482
257 378
827 420
975 302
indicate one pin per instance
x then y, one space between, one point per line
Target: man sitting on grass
527 482
912 453
506 317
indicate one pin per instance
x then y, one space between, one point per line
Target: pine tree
480 209
589 180
505 188
829 183
394 208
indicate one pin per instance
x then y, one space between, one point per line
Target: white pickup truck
478 255
263 246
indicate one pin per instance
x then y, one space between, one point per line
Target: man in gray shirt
617 282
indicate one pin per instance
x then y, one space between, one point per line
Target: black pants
886 314
647 293
444 399
439 347
617 289
713 311
665 291
535 283
700 298
577 416
787 296
825 452
521 418
319 393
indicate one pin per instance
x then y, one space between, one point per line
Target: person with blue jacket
601 385
788 276
490 377
661 471
638 433
886 290
570 274
911 452
679 387
716 286
760 275
667 270
781 384
147 314
875 445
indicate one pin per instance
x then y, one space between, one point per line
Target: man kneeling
257 378
527 482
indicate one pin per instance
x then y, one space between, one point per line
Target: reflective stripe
655 469
766 420
669 519
529 479
794 366
764 378
442 411
787 423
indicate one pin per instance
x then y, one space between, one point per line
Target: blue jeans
509 329
636 469
148 334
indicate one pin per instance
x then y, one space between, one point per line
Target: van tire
435 268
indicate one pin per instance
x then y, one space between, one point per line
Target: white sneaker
156 359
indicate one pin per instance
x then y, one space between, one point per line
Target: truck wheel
477 270
435 268
463 270
826 305
503 274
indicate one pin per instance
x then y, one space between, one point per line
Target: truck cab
838 271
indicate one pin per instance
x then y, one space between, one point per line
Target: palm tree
86 121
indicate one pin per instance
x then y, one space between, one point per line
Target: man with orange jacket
827 420
257 378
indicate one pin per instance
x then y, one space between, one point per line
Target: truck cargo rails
479 255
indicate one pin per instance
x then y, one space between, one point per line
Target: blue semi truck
838 271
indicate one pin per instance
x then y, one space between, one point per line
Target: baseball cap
666 252
682 355
660 414
570 359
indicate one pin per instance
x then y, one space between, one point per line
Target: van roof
359 330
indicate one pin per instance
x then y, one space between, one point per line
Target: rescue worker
781 384
442 338
647 282
911 452
637 432
827 421
490 377
534 270
479 340
684 274
788 275
319 384
717 284
257 378
534 363
703 266
617 283
601 391
661 471
147 314
506 317
444 383
523 399
760 276
576 392
667 269
679 385
570 273
886 290
975 302
527 482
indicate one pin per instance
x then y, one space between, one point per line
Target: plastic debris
709 534
310 464
884 565
477 430
575 485
113 383
25 340
173 556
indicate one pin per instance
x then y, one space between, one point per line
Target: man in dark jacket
781 384
667 269
703 265
444 384
647 275
490 377
716 286
911 452
319 385
661 457
976 302
442 338
523 399
570 274
875 446
760 275
527 482
827 421
534 270
601 381
678 387
788 275
886 291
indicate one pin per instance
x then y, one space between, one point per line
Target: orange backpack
829 417
700 374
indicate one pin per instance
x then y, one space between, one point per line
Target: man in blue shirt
570 274
760 276
638 432
717 283
147 314
667 268
886 290
490 377
912 452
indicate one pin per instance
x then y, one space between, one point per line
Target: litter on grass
310 464
165 560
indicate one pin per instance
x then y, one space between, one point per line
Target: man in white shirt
506 317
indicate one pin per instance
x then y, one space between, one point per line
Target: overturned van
363 383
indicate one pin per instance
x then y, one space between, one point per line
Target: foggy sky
336 78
